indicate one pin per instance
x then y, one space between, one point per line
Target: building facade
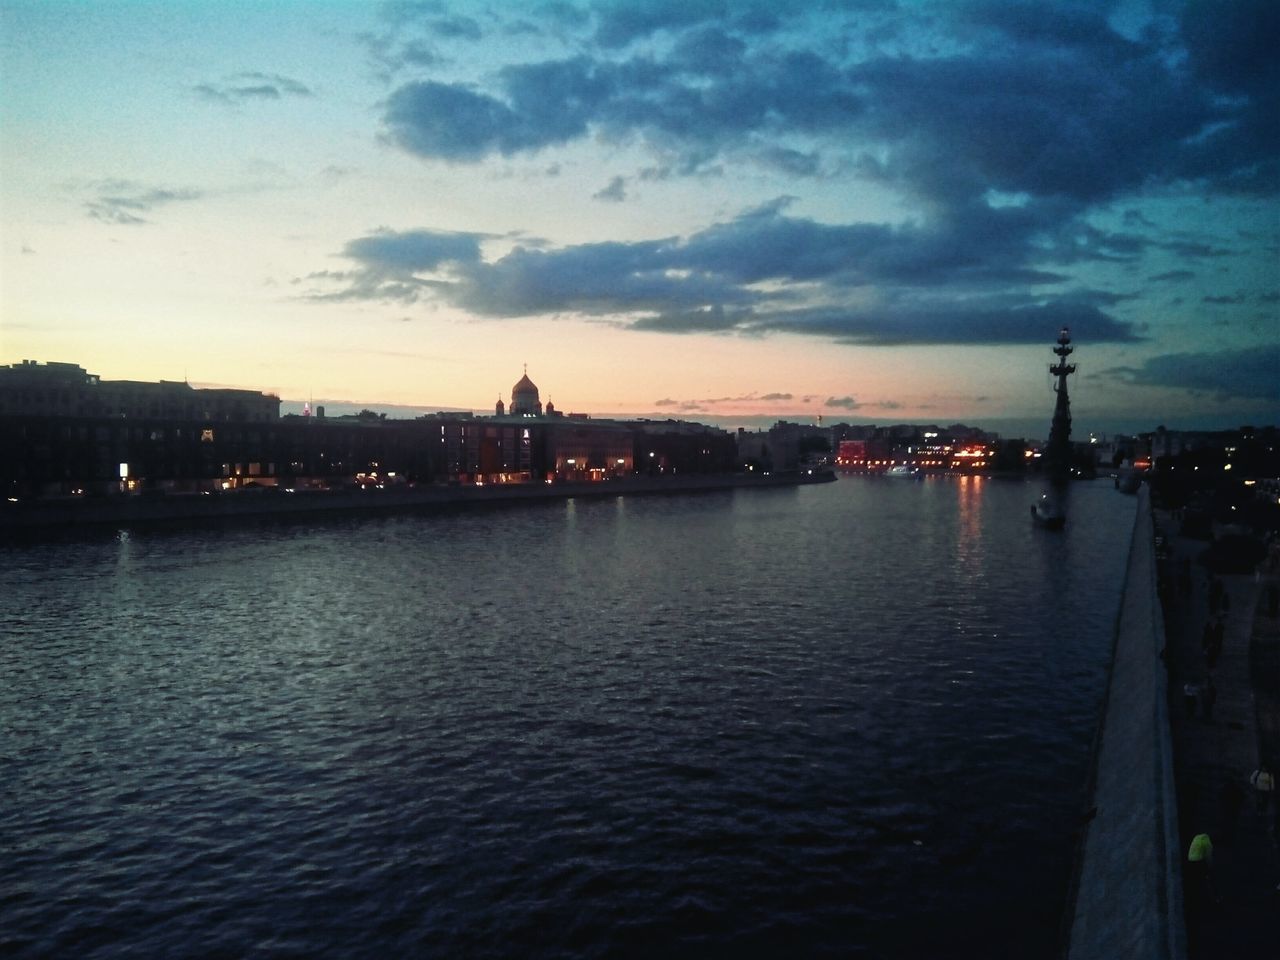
111 438
68 390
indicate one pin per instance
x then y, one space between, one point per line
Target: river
846 720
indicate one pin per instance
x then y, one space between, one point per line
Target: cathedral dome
524 397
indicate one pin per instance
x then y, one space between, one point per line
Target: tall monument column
1059 451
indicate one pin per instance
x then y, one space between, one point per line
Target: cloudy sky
874 210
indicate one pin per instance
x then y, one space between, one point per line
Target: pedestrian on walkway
1209 699
1199 863
1264 785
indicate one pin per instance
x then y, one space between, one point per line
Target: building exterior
954 449
64 432
525 401
66 389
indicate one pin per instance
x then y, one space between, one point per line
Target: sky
716 210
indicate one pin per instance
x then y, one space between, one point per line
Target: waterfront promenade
1215 751
1128 897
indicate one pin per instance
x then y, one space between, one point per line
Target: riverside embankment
1129 898
275 501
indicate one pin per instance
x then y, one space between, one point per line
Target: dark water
847 720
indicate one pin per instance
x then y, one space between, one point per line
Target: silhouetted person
1209 699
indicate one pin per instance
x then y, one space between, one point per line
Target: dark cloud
400 13
455 28
562 14
1192 249
948 323
1009 141
710 320
418 35
842 403
709 403
390 265
620 22
1224 299
680 105
1042 101
601 278
124 202
415 250
1246 374
449 122
244 87
616 191
797 163
551 103
1018 133
753 275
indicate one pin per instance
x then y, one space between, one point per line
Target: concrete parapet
1128 901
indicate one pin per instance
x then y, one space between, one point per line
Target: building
37 389
108 438
525 401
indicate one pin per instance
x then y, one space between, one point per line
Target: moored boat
1048 513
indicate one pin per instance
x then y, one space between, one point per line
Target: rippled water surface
845 720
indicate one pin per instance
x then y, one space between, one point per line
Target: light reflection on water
840 720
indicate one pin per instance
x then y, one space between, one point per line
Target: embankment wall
1128 900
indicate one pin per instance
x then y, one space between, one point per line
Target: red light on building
851 452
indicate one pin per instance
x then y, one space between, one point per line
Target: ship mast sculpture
1050 512
1059 452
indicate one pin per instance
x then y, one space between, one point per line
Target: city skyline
721 211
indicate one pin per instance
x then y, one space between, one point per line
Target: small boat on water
1129 481
903 471
1048 513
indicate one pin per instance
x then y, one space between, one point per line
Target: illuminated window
206 435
